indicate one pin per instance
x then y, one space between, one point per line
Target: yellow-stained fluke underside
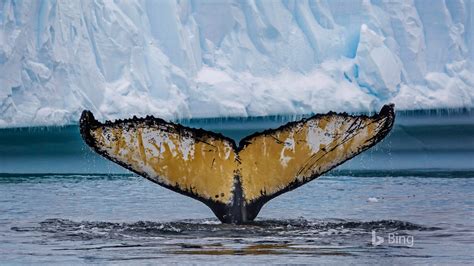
209 166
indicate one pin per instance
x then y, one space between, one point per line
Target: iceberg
205 59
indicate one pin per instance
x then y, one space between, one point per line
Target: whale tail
235 181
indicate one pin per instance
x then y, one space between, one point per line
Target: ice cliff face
230 58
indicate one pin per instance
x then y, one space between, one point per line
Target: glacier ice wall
184 59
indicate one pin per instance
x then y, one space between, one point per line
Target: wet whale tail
235 181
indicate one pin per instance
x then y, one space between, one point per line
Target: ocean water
62 204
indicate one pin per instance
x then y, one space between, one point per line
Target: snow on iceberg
380 70
189 59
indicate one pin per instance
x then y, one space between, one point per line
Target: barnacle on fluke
235 181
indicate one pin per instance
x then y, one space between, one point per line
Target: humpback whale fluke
235 181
